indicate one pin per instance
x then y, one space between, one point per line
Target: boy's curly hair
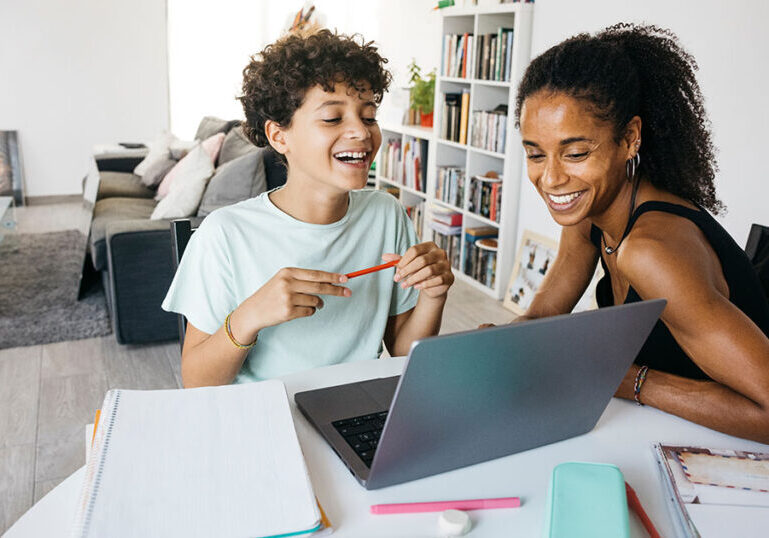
628 70
275 80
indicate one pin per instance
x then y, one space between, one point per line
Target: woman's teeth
564 198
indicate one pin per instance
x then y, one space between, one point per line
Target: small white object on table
623 436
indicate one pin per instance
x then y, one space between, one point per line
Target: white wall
210 45
731 46
78 73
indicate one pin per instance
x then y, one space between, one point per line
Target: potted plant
422 94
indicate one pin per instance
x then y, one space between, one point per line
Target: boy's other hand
292 293
425 267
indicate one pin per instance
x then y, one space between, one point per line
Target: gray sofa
132 253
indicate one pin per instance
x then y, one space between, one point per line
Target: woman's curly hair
631 70
276 80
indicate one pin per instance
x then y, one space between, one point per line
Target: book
197 462
465 110
449 218
714 492
445 229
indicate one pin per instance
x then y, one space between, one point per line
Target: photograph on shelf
535 256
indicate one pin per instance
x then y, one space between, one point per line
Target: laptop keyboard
362 433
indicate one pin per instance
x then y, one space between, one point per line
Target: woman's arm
714 333
569 275
212 359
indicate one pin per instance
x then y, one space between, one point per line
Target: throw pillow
210 125
157 171
187 189
235 181
158 151
235 145
180 148
209 146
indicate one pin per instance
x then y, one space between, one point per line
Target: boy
272 268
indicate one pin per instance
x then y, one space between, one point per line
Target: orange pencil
372 269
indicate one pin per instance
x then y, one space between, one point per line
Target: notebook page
213 461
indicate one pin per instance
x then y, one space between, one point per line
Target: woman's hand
425 267
291 293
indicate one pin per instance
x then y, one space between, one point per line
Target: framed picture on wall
11 180
536 254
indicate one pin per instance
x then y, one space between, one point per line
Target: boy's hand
292 293
426 267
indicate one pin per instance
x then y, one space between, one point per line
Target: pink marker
440 506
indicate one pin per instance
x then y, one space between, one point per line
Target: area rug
39 279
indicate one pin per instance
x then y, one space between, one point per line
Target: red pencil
372 269
635 505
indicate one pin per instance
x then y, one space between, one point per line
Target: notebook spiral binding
96 464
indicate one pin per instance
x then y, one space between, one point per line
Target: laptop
473 396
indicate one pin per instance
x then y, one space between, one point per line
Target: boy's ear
275 136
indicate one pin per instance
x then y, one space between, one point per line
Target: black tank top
661 351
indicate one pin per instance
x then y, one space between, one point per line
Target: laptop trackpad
381 390
346 401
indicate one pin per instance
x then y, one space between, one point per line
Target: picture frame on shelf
535 256
11 178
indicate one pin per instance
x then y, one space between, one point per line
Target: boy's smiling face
332 139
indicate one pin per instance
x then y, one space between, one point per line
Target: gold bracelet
237 344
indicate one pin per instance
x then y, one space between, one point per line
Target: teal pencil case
587 500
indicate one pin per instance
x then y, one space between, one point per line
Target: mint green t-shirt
238 248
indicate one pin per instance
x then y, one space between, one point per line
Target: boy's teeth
351 155
565 198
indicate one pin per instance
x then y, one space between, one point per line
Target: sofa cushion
235 145
156 172
122 185
210 125
186 191
158 150
235 181
111 210
210 145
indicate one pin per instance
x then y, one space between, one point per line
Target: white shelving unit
484 95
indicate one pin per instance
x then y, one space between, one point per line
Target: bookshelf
501 154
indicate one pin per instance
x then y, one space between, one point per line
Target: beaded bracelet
237 344
640 377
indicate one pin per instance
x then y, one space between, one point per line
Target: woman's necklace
611 250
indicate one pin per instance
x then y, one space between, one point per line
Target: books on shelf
481 254
415 163
450 185
416 213
455 113
405 164
493 55
486 196
712 492
457 51
489 129
213 461
391 160
447 217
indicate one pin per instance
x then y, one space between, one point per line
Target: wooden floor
48 393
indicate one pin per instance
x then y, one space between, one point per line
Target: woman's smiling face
572 156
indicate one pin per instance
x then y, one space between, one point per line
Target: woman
617 145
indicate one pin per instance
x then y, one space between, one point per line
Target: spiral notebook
213 461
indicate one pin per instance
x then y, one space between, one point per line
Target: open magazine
714 493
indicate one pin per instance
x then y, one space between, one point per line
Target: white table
623 437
